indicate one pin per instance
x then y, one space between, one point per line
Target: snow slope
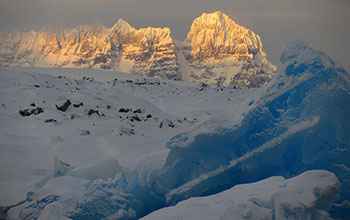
29 144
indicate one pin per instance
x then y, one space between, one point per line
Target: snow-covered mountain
216 51
147 51
219 51
109 158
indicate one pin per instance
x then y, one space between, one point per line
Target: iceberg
300 122
307 196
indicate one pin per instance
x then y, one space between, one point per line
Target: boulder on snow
50 120
24 112
78 105
34 111
139 111
124 110
92 111
166 122
135 118
65 106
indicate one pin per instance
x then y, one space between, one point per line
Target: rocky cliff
217 51
147 51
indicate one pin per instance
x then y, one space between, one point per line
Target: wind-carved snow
306 196
297 122
269 144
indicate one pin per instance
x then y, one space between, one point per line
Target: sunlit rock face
219 51
217 36
148 51
151 50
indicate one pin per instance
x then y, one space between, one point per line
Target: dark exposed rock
33 104
37 111
149 116
73 116
24 112
65 106
166 122
78 105
139 111
115 81
135 117
50 120
124 110
202 86
37 86
92 111
84 132
27 112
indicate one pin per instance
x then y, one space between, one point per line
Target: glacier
299 121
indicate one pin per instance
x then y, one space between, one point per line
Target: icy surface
307 196
220 138
299 122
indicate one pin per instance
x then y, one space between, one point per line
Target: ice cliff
299 122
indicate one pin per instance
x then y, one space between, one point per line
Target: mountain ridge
217 51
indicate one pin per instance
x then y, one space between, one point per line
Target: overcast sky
324 24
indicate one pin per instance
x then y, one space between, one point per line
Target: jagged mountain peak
217 51
214 19
121 25
216 35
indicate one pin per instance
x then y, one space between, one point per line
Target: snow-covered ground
28 145
121 149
